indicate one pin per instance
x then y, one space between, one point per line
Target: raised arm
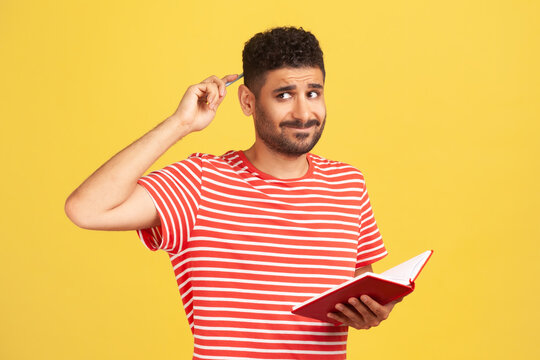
110 198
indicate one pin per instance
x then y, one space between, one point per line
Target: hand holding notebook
383 288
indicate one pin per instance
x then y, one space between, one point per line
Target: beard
278 140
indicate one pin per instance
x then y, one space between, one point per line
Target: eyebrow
293 87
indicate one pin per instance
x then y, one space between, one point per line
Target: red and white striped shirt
246 247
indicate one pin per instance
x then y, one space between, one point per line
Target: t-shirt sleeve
370 244
176 192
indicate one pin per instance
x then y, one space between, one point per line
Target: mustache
299 124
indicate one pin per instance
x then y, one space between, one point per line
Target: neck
276 164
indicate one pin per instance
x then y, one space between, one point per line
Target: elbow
74 210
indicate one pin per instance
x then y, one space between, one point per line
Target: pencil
241 75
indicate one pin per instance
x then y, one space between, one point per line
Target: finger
202 90
364 311
379 310
353 316
210 79
219 82
231 77
221 86
220 100
338 318
212 94
205 92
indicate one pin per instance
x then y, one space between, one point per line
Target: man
249 233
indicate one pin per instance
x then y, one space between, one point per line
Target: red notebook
383 288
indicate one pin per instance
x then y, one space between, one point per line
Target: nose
301 110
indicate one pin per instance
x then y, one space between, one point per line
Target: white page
407 270
391 278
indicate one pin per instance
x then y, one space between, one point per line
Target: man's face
290 112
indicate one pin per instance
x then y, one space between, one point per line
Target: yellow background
437 102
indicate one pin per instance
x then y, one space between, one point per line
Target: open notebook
383 288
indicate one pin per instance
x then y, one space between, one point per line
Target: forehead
293 76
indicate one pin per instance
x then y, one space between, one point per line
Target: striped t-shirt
246 247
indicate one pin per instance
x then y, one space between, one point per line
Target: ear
247 100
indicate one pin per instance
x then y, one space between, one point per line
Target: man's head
284 89
278 48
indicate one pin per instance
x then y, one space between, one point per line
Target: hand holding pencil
198 106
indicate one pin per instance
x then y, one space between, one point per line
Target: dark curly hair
277 48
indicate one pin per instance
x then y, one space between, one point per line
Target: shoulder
333 167
223 163
203 158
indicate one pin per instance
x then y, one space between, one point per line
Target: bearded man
250 233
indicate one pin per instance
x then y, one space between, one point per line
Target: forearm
362 270
113 183
110 198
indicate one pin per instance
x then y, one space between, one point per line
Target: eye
284 95
313 94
